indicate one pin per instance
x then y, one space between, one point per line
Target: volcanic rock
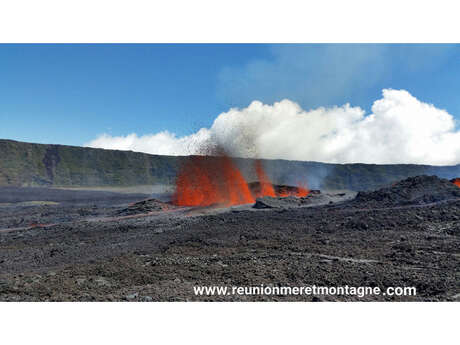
145 206
277 202
411 191
314 198
255 188
414 246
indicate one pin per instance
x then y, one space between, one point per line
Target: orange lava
38 225
456 181
266 186
206 181
267 189
302 190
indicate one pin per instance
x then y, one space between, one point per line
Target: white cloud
400 129
162 143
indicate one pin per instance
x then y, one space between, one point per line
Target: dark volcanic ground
407 235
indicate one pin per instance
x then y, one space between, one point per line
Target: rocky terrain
27 164
416 190
133 249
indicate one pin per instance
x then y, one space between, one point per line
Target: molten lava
266 187
456 181
206 181
300 191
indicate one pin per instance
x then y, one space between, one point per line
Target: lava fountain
205 181
266 187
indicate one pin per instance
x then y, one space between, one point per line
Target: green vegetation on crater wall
21 164
25 164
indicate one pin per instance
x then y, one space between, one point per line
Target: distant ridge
27 164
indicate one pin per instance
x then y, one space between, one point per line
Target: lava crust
406 235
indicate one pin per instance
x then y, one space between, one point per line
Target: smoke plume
399 129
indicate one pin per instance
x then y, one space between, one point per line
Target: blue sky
70 94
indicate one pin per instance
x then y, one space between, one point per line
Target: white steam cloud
400 129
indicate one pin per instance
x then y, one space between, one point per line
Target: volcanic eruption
266 187
216 180
205 181
456 181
